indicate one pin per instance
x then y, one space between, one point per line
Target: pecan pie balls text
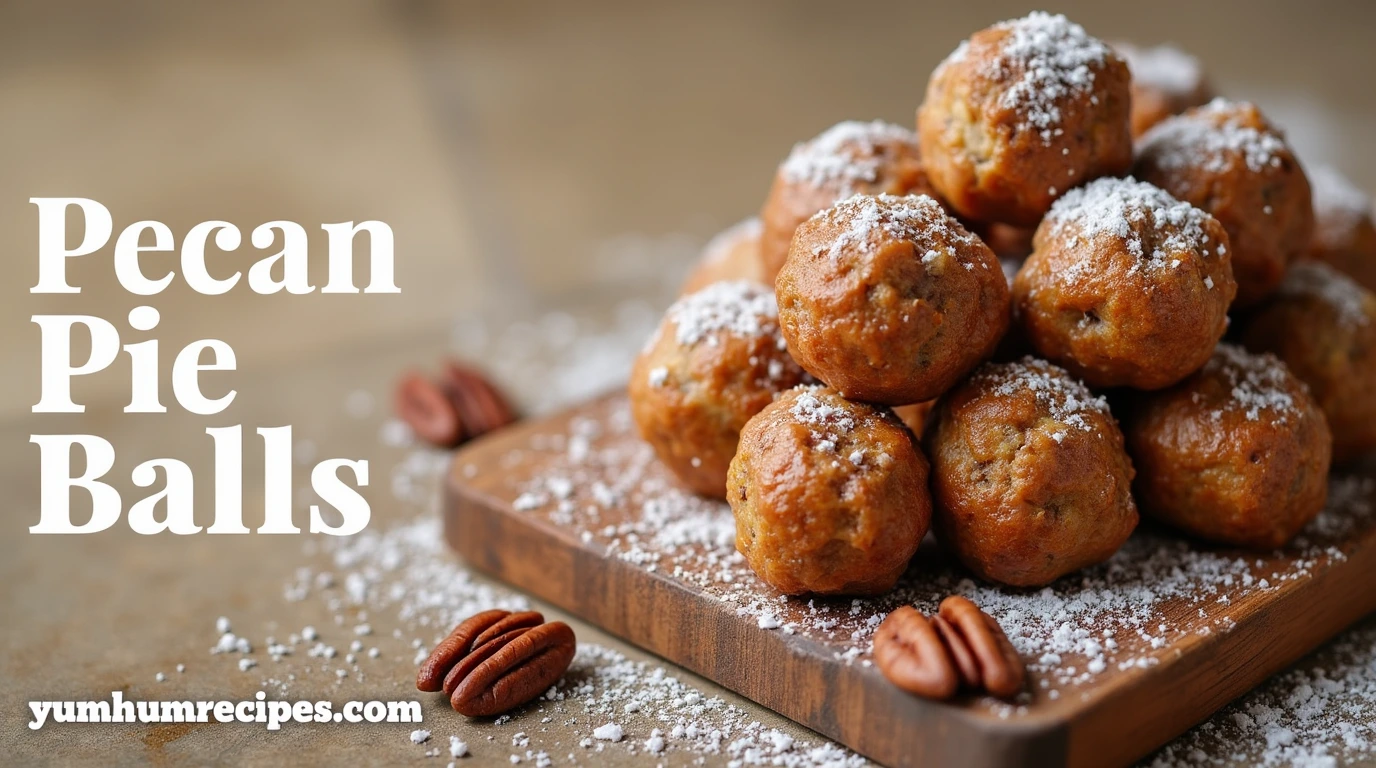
1238 453
830 496
890 300
716 360
1020 113
1126 286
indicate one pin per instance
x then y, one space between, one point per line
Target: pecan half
427 410
460 405
911 655
496 661
1001 671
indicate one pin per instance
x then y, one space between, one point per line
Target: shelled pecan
459 405
497 660
961 646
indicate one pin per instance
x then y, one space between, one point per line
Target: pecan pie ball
1226 158
1021 112
1238 453
890 300
1323 326
1126 286
847 159
734 254
1344 232
1165 81
716 360
1030 480
830 496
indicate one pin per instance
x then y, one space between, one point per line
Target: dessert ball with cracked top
847 159
733 254
1226 158
1322 325
1344 226
1126 286
890 300
1030 480
1238 453
716 360
1021 112
1165 81
830 496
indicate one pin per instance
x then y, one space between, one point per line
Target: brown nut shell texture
496 661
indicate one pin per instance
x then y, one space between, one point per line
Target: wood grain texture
573 510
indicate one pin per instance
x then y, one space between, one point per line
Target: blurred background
550 171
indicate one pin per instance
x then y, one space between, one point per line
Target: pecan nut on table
496 661
960 647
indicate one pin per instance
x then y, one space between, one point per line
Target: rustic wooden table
529 158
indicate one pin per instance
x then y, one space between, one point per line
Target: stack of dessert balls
1082 288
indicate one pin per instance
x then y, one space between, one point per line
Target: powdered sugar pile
1258 382
845 155
864 219
1163 67
1065 398
1211 138
1316 280
738 307
1128 209
1053 59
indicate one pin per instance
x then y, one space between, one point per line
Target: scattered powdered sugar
1124 208
1316 280
1053 59
1163 67
1128 614
1066 399
1211 138
916 218
847 155
736 307
1339 206
1258 382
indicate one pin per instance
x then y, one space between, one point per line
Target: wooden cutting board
575 510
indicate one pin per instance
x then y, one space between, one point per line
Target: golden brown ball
848 158
1022 112
890 300
1126 286
915 416
1238 453
1322 324
733 254
830 496
716 360
1165 81
1344 231
1226 158
1029 476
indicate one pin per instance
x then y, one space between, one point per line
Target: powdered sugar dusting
1163 67
847 154
828 415
737 307
718 249
1318 281
1211 137
1065 398
1259 382
916 218
1053 59
1124 208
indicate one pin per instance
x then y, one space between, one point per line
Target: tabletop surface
550 172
